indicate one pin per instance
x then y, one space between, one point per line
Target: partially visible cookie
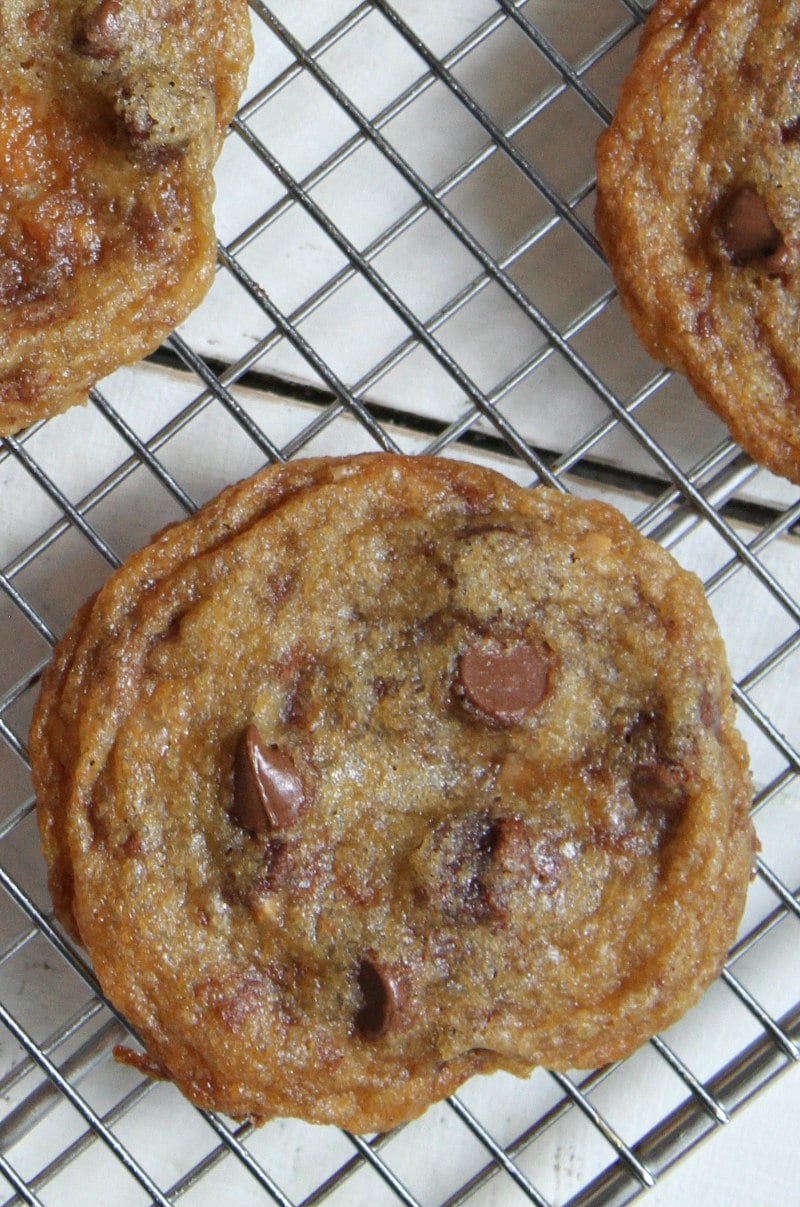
698 210
111 120
381 771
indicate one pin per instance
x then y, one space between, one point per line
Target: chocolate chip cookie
111 121
379 772
698 210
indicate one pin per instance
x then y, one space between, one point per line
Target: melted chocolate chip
660 787
710 712
472 866
505 685
379 996
100 35
136 116
153 121
268 792
35 22
747 229
276 869
657 783
790 131
519 862
451 862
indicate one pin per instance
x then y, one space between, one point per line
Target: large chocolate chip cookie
111 120
379 772
698 210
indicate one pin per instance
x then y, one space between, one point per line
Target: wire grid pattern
442 291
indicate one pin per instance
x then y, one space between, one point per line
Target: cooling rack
407 260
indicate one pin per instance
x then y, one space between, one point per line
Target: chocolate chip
505 684
659 786
790 131
100 35
380 999
747 229
268 792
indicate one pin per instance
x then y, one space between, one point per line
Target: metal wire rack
407 260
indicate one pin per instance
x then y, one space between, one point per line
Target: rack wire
407 260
